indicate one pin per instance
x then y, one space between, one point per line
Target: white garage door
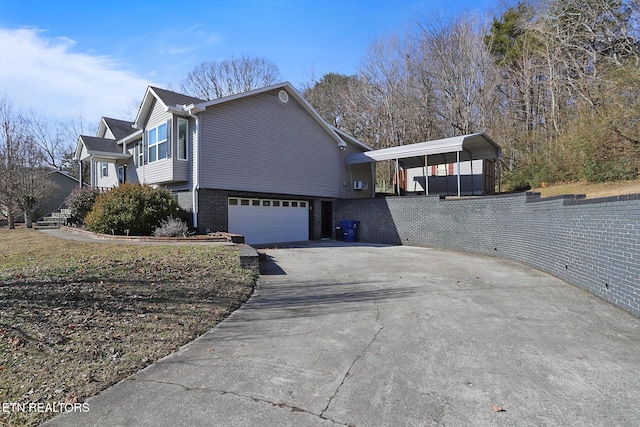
269 220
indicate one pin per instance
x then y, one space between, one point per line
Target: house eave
106 156
137 134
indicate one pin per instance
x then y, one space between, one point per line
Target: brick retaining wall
591 243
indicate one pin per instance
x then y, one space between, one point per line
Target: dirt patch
76 318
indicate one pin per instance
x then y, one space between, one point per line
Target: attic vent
283 96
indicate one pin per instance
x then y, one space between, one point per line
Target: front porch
103 162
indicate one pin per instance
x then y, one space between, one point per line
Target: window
104 169
183 132
441 170
157 140
140 154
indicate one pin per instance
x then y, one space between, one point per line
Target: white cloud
214 38
44 75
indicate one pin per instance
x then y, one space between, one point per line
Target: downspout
196 167
351 182
373 179
341 178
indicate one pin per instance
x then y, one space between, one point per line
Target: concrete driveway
366 335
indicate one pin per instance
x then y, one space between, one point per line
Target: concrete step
54 220
52 225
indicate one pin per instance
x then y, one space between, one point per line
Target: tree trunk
28 218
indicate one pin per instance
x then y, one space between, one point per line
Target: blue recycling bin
350 230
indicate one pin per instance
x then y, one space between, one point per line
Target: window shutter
170 138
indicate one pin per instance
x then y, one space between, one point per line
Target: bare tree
340 100
22 182
462 72
404 109
56 140
211 80
329 97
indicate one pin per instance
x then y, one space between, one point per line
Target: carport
449 150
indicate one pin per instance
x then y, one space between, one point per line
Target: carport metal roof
470 147
449 150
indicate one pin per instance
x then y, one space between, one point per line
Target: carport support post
458 161
398 176
426 175
473 190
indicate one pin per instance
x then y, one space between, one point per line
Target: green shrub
617 169
80 202
131 209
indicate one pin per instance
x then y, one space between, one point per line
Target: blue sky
72 58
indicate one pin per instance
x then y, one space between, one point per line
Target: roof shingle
119 128
172 98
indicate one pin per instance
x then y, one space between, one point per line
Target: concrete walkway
366 335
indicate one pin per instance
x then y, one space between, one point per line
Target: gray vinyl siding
157 115
181 168
263 145
351 173
160 171
132 170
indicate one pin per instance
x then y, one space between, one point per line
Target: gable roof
171 101
119 128
100 147
104 145
470 147
170 98
63 174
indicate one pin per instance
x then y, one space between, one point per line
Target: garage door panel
269 220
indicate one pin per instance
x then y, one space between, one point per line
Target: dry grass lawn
592 191
76 318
